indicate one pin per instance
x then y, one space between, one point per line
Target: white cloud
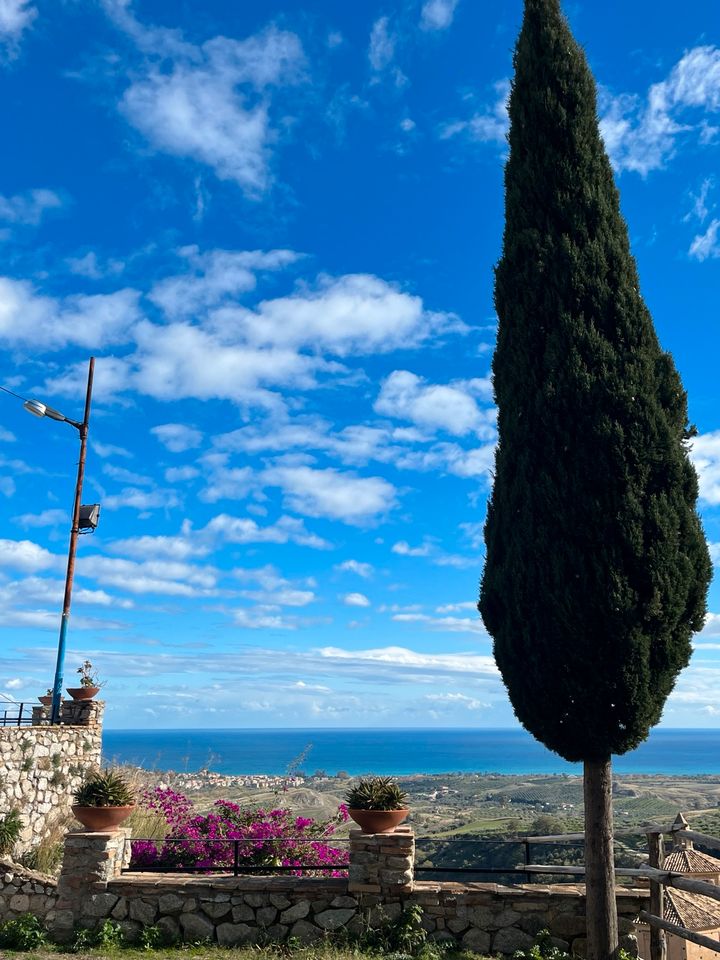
214 276
382 45
449 407
6 436
333 494
108 449
455 607
437 14
177 437
27 208
137 499
90 266
705 453
490 124
46 518
347 315
181 474
15 17
31 319
700 210
456 700
14 684
355 600
261 620
444 624
715 553
707 245
166 577
644 135
211 102
433 663
403 548
364 570
27 556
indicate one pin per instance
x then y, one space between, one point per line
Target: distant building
689 910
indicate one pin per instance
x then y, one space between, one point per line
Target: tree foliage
597 568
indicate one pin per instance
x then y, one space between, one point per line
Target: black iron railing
472 859
15 714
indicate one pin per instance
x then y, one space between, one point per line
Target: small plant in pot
46 700
104 801
377 804
89 683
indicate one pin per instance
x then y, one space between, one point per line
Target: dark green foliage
376 793
104 790
597 568
25 932
10 829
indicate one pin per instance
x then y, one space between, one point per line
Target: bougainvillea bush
206 841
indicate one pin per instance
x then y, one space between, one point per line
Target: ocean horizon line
395 751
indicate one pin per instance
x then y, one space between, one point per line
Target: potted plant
103 801
89 683
46 700
377 804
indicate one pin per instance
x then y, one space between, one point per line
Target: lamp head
35 407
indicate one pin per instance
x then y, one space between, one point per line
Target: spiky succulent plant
104 789
376 793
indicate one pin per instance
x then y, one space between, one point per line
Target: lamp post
39 409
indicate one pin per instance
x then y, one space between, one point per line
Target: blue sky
274 225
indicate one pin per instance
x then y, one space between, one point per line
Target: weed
10 829
23 933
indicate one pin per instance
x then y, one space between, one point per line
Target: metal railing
659 879
516 870
14 714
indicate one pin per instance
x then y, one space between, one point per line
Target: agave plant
376 793
106 789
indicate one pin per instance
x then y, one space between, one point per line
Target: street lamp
83 518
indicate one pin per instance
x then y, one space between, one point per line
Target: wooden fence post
658 943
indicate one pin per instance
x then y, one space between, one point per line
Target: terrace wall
483 917
41 766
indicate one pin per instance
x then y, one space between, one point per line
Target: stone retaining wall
482 917
41 766
23 891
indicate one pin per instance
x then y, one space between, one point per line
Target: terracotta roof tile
691 910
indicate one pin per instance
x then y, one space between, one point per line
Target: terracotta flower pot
99 819
83 693
378 821
46 701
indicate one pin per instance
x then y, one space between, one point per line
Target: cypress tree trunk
601 906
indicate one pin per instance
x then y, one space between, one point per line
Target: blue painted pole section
57 689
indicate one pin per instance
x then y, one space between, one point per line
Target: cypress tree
597 568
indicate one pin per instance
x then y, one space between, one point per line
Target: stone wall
42 765
482 917
23 891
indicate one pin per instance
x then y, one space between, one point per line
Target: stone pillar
382 863
82 713
90 861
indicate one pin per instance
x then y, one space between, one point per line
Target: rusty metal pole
74 531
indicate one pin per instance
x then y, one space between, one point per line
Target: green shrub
23 933
10 829
151 938
109 934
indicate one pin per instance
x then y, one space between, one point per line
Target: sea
397 752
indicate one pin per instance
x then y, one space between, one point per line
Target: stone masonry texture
481 917
41 766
